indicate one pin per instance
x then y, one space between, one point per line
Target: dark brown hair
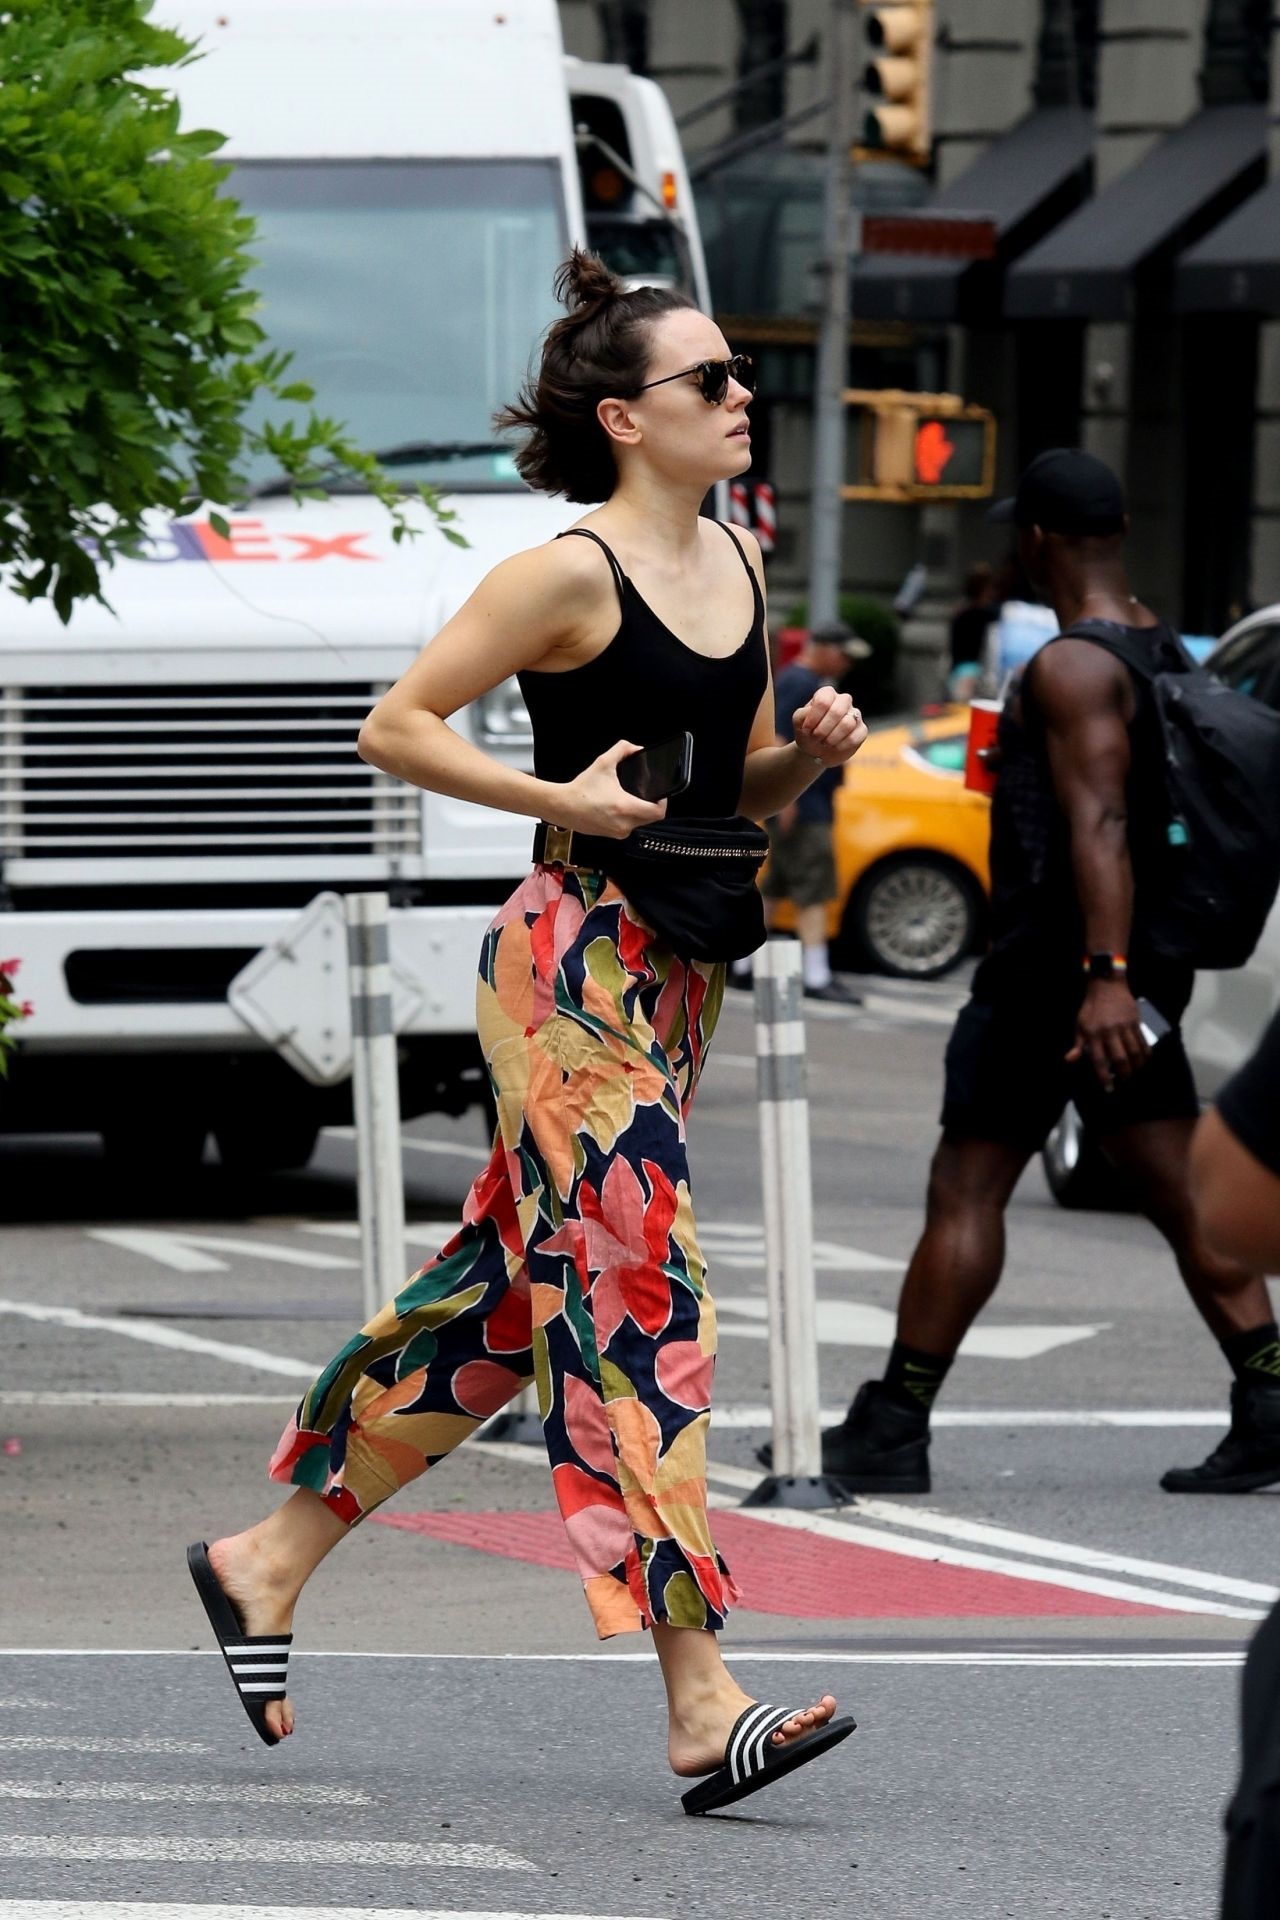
598 351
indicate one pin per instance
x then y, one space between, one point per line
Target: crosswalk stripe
187 1793
190 1850
151 1910
94 1743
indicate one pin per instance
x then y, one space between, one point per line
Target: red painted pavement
784 1570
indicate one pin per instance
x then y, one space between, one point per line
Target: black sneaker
1249 1456
879 1447
834 994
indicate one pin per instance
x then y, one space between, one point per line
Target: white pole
787 1191
376 1099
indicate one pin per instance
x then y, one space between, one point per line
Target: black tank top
1037 933
647 686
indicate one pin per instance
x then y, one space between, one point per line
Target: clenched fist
830 728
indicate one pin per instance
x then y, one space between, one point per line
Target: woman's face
670 427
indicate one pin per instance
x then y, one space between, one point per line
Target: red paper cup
984 720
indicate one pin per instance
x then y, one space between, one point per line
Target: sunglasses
713 377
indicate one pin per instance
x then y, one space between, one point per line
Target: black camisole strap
740 550
619 577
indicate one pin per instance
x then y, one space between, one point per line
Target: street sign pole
376 1096
826 507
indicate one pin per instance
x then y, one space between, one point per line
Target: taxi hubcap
918 919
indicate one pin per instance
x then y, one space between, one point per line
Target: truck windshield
411 295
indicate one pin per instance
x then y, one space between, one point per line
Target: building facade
1127 152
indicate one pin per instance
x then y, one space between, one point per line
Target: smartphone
656 773
1154 1024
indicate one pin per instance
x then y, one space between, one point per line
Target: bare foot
697 1741
263 1596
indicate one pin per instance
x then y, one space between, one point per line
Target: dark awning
1236 268
1025 182
1095 265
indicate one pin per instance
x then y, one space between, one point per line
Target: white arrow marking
852 1323
185 1252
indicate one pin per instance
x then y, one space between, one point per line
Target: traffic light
897 124
921 446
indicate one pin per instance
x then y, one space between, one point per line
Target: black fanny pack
692 881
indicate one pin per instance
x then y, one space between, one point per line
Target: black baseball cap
1066 490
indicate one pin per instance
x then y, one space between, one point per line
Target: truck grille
205 775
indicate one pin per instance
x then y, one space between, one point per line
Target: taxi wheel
914 916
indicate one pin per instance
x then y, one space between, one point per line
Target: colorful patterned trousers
577 1265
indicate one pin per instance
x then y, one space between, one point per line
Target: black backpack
1220 756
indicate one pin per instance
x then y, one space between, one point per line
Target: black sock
1254 1355
915 1377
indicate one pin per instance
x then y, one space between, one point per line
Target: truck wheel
1078 1172
139 1145
914 916
266 1143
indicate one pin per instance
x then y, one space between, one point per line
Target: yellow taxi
912 847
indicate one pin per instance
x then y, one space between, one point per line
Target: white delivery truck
178 777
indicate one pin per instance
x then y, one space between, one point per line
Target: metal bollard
797 1479
376 1098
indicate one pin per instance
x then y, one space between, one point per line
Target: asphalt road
1042 1655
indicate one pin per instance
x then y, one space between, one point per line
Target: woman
578 1262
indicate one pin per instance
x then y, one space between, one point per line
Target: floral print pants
577 1265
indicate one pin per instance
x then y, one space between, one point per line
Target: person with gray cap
802 865
1055 1012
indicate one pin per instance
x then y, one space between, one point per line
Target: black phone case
669 764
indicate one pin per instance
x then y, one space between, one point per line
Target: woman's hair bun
598 349
584 281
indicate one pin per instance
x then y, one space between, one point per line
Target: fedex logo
252 540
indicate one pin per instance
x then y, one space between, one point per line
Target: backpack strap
1170 656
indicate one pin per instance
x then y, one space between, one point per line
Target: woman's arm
529 609
828 732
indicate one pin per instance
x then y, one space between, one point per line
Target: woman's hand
597 802
830 728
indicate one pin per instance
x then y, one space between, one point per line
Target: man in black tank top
1054 1014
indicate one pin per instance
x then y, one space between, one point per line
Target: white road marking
186 1793
27 1703
151 1332
93 1743
727 1242
727 1419
191 1850
853 1323
945 1555
925 1520
450 1149
166 1910
76 1397
194 1252
753 1417
902 1657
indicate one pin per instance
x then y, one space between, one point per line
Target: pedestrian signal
897 123
921 446
949 452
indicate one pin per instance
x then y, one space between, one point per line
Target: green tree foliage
129 350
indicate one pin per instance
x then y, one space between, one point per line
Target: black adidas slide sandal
751 1760
257 1663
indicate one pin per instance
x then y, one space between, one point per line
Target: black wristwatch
1106 966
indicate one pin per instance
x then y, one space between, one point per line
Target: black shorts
1007 1077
